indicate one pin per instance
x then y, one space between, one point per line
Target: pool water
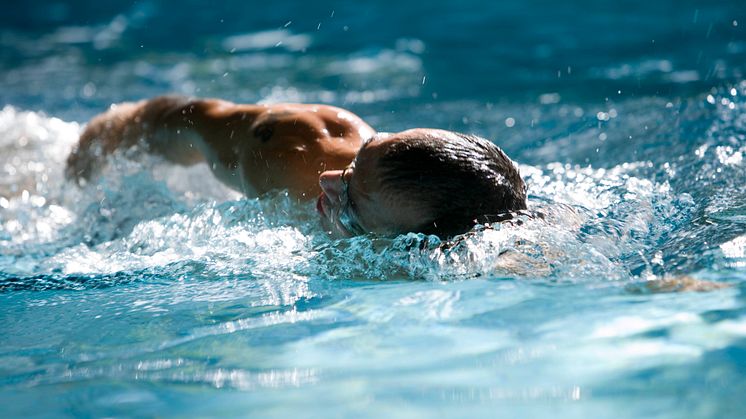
156 291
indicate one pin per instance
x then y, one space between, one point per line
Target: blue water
155 291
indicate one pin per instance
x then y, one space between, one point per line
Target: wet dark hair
462 179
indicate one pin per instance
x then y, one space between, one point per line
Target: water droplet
89 90
549 98
509 122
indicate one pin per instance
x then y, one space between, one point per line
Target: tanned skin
251 148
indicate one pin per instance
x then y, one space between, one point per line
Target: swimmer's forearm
104 134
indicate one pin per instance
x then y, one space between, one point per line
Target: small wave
71 282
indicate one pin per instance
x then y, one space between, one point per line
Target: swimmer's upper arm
169 129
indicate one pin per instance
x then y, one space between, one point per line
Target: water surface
156 291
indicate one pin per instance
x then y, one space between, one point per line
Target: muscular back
252 148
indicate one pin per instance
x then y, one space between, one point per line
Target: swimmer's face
353 200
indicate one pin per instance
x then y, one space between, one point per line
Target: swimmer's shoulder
334 130
329 120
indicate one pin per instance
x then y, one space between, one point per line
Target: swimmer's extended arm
165 126
251 148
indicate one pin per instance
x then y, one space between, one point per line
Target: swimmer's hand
118 128
682 283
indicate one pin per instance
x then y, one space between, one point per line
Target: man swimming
419 180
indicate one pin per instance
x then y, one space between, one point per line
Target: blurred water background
155 291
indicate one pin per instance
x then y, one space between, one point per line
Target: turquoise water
156 291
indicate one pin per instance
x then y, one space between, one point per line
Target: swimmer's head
421 180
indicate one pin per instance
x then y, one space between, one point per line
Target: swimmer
420 180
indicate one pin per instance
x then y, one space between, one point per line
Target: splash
143 218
